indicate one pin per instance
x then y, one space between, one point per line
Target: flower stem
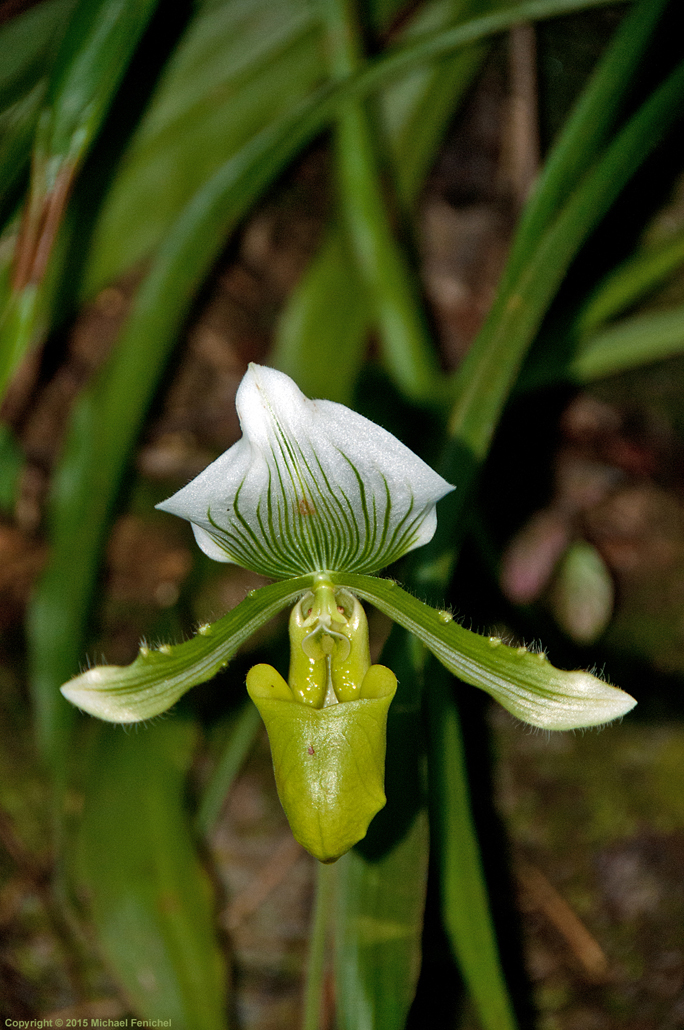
320 924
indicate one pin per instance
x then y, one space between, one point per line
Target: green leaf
378 928
416 109
17 126
651 336
328 304
381 883
497 353
240 67
465 904
391 289
240 736
158 678
330 301
99 42
489 372
523 681
586 130
28 46
150 899
137 215
630 282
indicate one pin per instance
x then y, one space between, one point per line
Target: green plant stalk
324 907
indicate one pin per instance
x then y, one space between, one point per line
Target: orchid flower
316 497
310 487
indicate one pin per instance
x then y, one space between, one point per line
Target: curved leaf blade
149 897
378 922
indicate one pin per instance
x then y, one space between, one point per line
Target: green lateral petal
311 487
158 678
524 682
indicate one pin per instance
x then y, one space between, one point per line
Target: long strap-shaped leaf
628 344
587 129
96 50
465 903
330 302
149 897
378 929
384 271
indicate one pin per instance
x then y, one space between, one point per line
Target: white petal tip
583 701
89 693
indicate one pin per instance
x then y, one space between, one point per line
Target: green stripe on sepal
310 486
158 678
329 762
524 682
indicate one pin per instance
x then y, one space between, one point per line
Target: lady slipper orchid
310 487
316 497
